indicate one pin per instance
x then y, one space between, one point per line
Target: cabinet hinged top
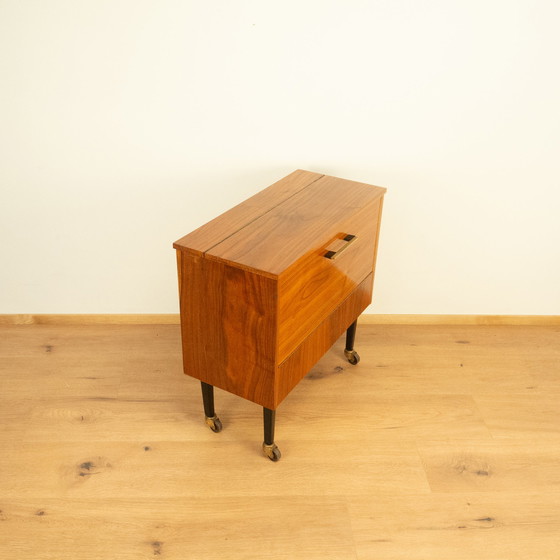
274 228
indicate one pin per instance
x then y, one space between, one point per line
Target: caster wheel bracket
352 356
214 423
272 451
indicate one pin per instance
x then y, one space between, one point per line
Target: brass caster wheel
214 423
352 356
272 452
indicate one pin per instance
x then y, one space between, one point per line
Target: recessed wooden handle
334 254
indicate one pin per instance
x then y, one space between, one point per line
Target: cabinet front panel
316 285
298 364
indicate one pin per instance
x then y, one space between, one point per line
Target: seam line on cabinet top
261 215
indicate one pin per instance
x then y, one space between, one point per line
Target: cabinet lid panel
281 236
238 217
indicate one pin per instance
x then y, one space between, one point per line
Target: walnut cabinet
266 288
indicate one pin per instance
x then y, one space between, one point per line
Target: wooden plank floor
443 443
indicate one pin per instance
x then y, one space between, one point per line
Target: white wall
127 123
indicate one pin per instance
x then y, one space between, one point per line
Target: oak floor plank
463 359
462 526
442 443
491 466
149 468
534 417
314 527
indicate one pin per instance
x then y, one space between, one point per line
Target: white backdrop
127 123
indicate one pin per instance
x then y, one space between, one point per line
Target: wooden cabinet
267 287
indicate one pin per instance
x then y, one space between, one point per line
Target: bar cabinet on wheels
266 288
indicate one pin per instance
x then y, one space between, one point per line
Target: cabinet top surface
278 225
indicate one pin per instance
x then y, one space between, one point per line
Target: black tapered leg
269 417
270 449
208 399
351 355
351 336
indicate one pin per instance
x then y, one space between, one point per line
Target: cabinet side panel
298 364
228 319
380 213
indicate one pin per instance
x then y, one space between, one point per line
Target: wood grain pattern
303 224
376 243
228 223
231 341
249 301
369 318
206 527
484 526
228 327
432 319
310 289
482 466
90 319
298 364
105 453
537 416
